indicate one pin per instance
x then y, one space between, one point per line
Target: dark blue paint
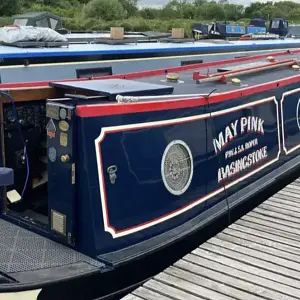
139 196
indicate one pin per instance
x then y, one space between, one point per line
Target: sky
163 2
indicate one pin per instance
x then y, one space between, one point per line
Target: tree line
176 9
101 14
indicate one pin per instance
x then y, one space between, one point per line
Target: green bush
5 21
105 9
131 24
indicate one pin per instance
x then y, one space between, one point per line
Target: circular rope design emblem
177 167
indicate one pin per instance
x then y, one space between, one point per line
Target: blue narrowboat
223 30
98 174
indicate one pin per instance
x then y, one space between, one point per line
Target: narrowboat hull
126 180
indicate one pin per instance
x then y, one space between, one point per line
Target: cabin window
20 22
275 24
42 23
93 72
285 24
53 23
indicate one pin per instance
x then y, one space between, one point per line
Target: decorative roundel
63 113
177 167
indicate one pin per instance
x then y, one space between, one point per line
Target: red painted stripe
151 72
86 111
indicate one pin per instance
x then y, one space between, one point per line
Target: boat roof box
114 87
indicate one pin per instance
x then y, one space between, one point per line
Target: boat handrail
128 99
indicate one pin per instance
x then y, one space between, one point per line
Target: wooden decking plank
263 225
237 274
257 257
226 284
147 294
295 185
285 206
245 249
294 196
281 210
289 199
297 181
189 287
131 297
292 188
281 242
261 260
269 247
212 285
265 221
273 220
170 291
281 200
240 265
278 216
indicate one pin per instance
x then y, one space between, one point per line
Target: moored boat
41 74
28 45
101 173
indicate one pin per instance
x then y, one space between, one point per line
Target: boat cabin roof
221 76
215 77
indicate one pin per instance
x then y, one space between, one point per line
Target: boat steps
257 257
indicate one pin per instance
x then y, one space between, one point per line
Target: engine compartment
25 149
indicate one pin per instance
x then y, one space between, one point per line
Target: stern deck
30 258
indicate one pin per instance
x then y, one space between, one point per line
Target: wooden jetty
257 257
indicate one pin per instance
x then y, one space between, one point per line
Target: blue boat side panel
245 140
235 29
99 49
138 157
290 107
232 144
248 143
253 29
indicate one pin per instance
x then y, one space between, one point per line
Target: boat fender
295 67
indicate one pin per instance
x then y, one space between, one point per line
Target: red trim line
151 72
86 111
